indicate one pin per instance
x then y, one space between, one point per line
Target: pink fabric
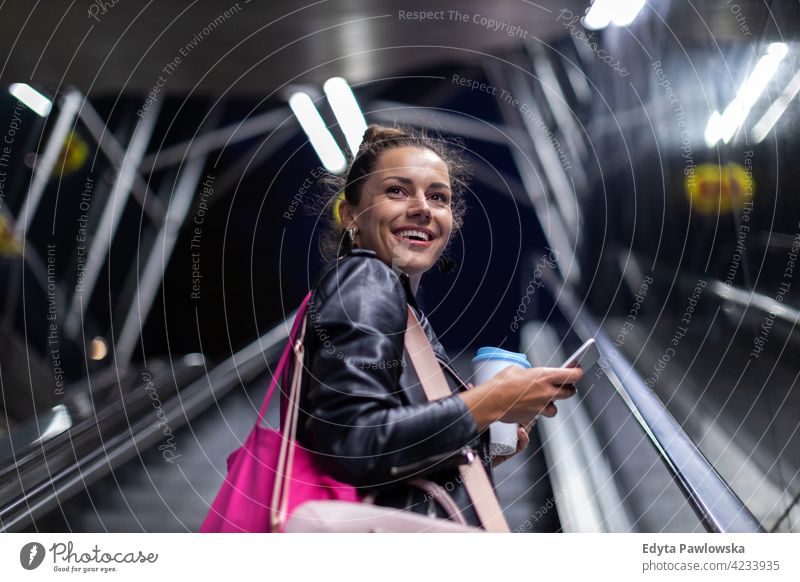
243 502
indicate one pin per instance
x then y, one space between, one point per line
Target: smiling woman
362 407
404 212
419 167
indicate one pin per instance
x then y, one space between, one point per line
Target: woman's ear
346 214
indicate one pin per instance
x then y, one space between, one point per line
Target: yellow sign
73 155
714 189
9 245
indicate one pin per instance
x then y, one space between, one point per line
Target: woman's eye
395 190
441 197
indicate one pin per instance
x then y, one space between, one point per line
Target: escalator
602 209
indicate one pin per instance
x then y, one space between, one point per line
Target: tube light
713 129
321 139
625 11
347 112
34 100
770 117
724 127
599 15
618 12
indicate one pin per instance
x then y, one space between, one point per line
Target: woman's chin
412 260
415 266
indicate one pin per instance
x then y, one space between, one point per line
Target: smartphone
584 357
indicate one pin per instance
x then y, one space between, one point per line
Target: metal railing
715 503
28 492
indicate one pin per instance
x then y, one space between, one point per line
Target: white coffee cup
487 362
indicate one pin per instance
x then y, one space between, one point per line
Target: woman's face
404 214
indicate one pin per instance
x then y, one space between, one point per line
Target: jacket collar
412 300
402 275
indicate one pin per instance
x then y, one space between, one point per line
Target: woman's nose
419 206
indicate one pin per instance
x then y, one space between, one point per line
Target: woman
362 407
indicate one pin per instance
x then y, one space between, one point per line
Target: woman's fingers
522 438
562 379
525 393
550 410
562 376
564 392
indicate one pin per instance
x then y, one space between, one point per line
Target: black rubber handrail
112 451
718 507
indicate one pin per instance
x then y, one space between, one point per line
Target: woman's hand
519 394
523 438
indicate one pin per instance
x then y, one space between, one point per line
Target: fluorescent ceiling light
770 117
31 98
733 116
723 127
625 11
618 12
321 139
713 129
764 70
347 112
599 15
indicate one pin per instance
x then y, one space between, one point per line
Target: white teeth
419 233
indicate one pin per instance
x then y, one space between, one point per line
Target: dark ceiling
257 47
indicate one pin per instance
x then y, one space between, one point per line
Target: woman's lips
417 243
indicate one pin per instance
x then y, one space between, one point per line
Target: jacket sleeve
356 419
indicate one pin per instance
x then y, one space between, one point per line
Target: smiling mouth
414 238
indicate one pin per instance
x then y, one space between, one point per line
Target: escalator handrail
716 504
142 433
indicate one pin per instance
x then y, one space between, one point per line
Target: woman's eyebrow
402 179
405 180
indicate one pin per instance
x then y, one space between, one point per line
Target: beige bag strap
433 381
280 492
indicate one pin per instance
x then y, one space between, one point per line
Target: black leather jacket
362 407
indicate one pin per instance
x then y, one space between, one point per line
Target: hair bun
377 133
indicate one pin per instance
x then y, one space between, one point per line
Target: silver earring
351 232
